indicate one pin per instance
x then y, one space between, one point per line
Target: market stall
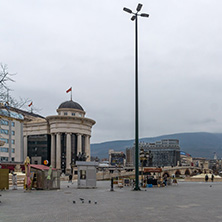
44 177
153 176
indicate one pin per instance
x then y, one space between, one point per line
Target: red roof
40 167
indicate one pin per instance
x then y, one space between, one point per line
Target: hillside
196 144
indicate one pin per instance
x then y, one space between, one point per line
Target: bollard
112 184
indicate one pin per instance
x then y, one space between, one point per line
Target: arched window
177 174
187 172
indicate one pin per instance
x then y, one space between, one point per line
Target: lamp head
139 6
127 10
133 18
144 15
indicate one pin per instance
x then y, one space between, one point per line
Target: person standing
212 178
70 178
206 178
14 181
165 179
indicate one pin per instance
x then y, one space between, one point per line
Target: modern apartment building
11 135
161 153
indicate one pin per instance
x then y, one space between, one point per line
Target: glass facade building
39 148
161 153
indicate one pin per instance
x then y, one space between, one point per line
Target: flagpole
30 105
71 93
68 90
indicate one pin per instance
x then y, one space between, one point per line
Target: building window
4 131
13 124
13 159
4 122
65 114
13 132
13 150
5 140
4 159
73 114
13 141
3 149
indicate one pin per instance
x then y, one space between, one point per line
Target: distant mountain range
196 144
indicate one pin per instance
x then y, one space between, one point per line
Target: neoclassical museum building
59 139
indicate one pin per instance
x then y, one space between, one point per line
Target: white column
79 144
25 147
68 151
87 147
58 151
53 156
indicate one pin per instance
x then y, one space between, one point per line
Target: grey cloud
89 45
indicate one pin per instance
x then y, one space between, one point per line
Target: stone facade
69 134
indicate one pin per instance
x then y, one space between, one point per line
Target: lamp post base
136 189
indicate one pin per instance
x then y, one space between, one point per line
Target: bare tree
5 77
5 96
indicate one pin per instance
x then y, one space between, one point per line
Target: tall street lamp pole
135 18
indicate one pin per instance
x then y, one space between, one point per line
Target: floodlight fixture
139 6
144 15
127 10
133 18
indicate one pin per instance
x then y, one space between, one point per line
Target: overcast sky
89 45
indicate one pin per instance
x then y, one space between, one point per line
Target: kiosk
86 174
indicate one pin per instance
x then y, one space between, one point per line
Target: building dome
70 105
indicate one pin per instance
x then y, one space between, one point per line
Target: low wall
108 176
190 179
20 180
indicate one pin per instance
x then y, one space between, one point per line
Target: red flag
69 90
30 104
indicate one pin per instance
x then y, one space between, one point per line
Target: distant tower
215 156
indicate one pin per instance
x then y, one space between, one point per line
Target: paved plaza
196 201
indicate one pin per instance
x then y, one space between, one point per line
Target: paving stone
185 202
